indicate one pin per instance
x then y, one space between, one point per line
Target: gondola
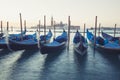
2 41
3 44
46 38
57 45
110 38
27 42
1 35
80 43
103 45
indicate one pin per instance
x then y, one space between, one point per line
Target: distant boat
80 43
28 42
58 44
103 45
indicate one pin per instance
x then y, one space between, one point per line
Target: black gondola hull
105 50
18 46
80 51
3 46
52 49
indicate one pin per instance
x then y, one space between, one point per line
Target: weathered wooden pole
84 30
21 23
95 32
7 26
45 28
39 28
115 30
69 23
54 30
21 26
1 28
12 28
52 22
99 29
25 25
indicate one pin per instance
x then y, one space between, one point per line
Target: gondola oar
6 37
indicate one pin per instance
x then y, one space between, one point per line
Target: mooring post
99 29
115 30
95 32
25 25
84 30
1 28
45 28
69 24
21 26
7 26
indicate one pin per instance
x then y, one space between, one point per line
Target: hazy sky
81 11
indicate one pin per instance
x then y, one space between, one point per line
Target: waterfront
67 65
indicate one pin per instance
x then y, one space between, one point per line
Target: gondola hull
80 50
19 46
80 44
28 42
57 45
106 47
3 43
3 46
52 49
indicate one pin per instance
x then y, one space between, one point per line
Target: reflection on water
7 63
32 65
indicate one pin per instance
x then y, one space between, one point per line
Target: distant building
75 27
60 25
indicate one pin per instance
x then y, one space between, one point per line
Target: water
67 65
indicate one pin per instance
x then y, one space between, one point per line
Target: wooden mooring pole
45 28
21 26
99 29
21 23
95 32
115 30
39 28
54 30
69 24
25 25
7 26
1 28
84 30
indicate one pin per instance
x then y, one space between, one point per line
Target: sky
80 11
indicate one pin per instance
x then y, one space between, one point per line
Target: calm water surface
67 65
